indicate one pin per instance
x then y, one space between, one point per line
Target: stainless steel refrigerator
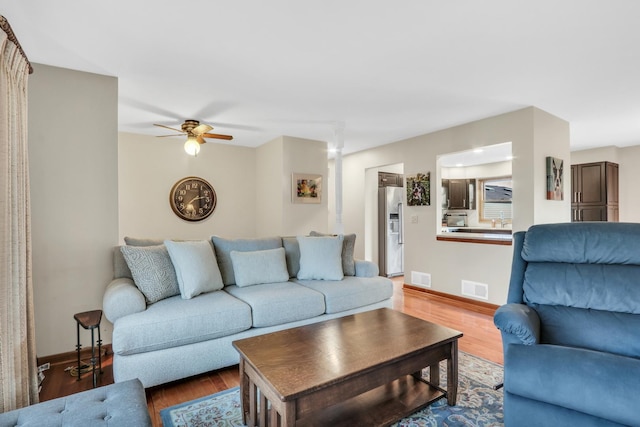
390 231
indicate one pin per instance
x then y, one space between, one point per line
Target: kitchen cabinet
459 193
388 179
594 192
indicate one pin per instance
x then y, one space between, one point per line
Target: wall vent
475 289
421 279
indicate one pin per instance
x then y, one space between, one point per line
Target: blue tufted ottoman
119 404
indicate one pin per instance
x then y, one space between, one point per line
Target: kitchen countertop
496 236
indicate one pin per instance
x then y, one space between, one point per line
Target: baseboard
456 301
72 356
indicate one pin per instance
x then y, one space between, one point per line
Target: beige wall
148 167
277 160
90 187
269 170
450 262
73 137
308 157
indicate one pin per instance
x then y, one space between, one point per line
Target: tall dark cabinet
594 192
459 193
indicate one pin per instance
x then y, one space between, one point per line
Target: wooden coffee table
363 369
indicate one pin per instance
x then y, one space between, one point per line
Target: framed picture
419 189
306 188
554 178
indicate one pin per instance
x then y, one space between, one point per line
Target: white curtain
18 370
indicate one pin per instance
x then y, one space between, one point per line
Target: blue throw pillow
320 258
196 267
257 267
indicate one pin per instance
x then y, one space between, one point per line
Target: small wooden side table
90 320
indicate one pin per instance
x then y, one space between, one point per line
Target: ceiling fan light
191 146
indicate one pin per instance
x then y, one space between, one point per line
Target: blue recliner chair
571 326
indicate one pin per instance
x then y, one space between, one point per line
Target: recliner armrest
366 268
122 298
519 324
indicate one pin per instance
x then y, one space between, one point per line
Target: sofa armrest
122 298
518 323
366 268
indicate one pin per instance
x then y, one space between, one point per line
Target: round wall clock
192 199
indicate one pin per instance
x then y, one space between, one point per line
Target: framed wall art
419 189
554 178
306 188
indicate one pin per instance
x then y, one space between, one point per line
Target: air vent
475 289
421 279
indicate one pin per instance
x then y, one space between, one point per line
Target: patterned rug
478 404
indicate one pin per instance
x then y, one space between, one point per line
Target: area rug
478 405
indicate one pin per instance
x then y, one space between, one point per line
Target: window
495 198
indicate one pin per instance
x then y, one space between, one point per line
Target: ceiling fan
196 134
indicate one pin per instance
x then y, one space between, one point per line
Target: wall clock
192 199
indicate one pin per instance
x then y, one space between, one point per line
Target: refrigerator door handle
400 224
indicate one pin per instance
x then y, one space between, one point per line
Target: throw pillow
152 271
256 267
348 248
196 267
320 258
223 248
120 267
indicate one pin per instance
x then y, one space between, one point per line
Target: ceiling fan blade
200 129
168 136
217 136
200 139
170 128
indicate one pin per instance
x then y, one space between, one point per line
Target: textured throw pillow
196 267
256 267
320 258
348 248
152 271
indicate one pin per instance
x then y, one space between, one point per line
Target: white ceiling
487 154
386 70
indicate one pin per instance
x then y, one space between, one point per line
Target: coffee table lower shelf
381 406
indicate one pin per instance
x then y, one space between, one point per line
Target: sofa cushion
223 248
571 377
610 287
320 258
120 267
593 329
174 321
257 267
348 249
279 303
152 271
137 241
351 292
583 243
196 267
292 254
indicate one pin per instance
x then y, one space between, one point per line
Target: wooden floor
481 338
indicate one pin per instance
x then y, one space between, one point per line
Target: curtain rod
4 24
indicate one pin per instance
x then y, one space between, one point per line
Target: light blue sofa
175 338
571 326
